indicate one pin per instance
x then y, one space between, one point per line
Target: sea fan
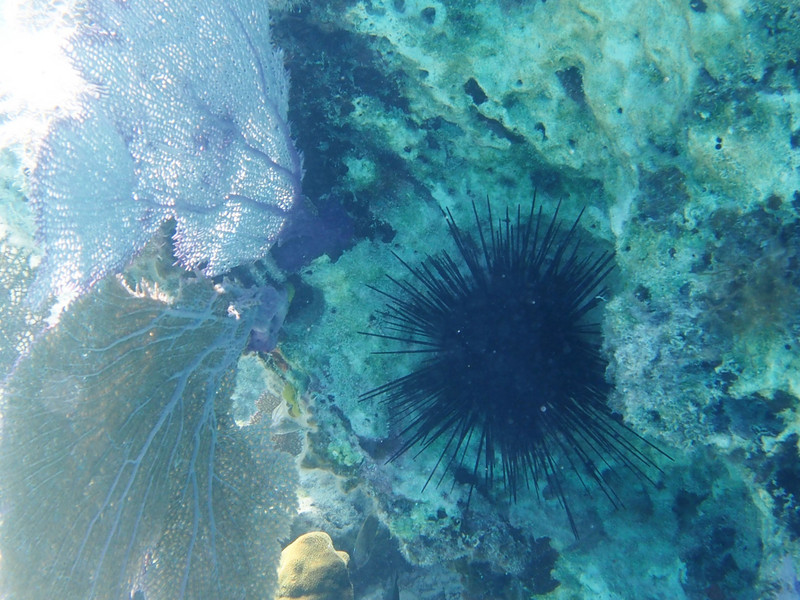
120 468
121 472
186 119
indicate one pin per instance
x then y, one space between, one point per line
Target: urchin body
512 374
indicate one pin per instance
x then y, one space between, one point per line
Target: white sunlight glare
37 80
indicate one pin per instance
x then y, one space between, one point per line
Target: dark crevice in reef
320 104
780 474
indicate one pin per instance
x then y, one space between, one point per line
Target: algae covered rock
312 569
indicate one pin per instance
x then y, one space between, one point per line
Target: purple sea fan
122 474
187 120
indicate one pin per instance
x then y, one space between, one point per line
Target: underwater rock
327 229
312 569
272 305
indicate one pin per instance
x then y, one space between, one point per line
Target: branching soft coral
121 469
187 121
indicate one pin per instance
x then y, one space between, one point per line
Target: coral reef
676 127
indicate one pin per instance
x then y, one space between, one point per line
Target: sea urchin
512 376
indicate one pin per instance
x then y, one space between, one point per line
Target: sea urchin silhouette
512 376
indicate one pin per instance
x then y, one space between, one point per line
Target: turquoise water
673 126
